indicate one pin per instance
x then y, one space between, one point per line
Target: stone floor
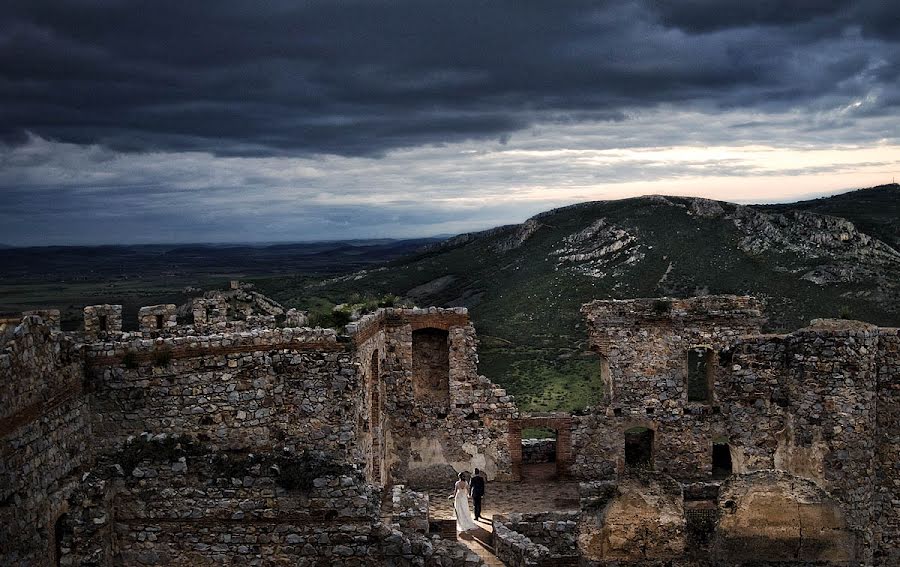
506 497
538 492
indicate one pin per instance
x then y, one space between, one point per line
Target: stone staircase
444 528
482 545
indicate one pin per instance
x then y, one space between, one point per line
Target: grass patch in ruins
544 382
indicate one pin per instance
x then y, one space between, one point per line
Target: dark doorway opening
721 460
103 323
639 448
60 533
159 321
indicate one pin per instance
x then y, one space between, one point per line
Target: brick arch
563 427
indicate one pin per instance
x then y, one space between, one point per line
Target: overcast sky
173 121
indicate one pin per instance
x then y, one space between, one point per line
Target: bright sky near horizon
142 122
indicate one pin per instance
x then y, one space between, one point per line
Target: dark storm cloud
362 78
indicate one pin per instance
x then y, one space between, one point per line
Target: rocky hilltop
524 283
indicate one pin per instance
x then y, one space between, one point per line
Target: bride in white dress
464 521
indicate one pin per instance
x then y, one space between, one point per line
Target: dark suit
477 484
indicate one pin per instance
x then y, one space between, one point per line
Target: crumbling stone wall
157 318
409 509
771 516
373 404
102 321
646 344
555 531
426 444
535 451
634 520
887 472
45 438
50 317
210 312
252 390
803 404
226 414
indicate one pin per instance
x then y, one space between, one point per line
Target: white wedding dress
464 521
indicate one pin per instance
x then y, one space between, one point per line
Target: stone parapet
101 321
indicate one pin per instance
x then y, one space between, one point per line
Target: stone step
483 550
444 528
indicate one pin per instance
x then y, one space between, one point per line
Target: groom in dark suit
476 491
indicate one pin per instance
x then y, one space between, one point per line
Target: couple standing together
465 487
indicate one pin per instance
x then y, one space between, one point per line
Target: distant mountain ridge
524 284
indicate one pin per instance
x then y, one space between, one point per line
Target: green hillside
524 284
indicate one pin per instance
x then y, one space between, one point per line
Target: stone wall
209 445
775 517
102 321
540 539
409 509
887 501
535 451
246 391
815 405
157 318
646 344
210 312
45 439
515 549
636 520
426 444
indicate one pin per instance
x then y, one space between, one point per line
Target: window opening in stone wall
159 321
375 416
102 323
700 374
721 459
539 449
639 448
59 534
431 366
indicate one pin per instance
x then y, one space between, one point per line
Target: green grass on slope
527 309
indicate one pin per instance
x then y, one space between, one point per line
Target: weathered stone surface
235 441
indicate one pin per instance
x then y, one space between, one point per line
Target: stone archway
563 427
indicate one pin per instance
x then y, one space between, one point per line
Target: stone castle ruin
247 438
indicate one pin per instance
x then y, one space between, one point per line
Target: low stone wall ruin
537 451
186 445
545 538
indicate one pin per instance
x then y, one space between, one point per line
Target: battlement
693 389
418 318
648 310
158 317
101 321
